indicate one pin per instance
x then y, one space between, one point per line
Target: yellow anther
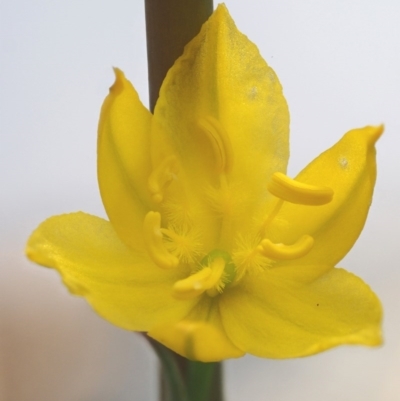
161 177
286 252
220 143
192 286
293 191
153 239
206 279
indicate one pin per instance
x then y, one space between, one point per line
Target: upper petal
277 318
221 108
124 160
349 168
125 288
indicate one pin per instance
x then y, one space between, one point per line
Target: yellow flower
211 248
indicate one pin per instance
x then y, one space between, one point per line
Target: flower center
177 245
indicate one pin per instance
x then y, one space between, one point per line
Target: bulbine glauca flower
211 248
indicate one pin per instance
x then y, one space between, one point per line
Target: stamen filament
286 252
271 217
153 239
294 191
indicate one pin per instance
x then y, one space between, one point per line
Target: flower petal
221 107
349 168
199 337
277 319
124 287
124 160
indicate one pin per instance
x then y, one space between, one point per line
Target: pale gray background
339 63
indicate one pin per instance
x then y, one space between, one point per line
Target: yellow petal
222 111
198 337
124 160
124 287
349 169
275 318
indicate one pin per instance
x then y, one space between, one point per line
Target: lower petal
274 318
124 287
200 336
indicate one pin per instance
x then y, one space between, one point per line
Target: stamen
293 191
161 177
286 252
192 286
204 280
220 143
153 239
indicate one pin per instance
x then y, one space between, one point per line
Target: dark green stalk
173 386
205 381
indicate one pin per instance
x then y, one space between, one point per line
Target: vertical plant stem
185 380
173 385
205 381
170 25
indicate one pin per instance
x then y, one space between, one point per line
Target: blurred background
339 64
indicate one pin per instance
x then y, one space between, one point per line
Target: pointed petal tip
118 84
221 12
374 133
221 8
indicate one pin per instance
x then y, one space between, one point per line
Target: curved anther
206 279
161 177
153 239
286 252
293 191
220 143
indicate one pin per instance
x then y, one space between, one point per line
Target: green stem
184 380
173 384
170 25
204 382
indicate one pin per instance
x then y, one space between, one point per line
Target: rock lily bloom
210 247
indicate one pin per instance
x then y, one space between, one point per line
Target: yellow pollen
161 177
206 279
153 239
220 143
286 252
293 191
